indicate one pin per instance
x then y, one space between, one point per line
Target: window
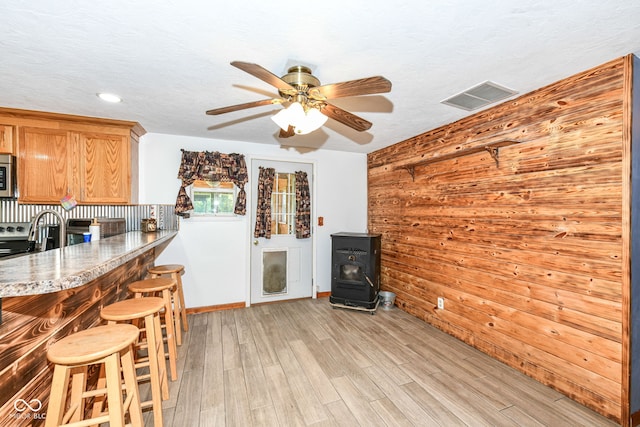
213 198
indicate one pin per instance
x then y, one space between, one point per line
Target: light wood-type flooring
303 363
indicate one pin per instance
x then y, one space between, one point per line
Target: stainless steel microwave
7 176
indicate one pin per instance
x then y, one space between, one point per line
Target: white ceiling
169 59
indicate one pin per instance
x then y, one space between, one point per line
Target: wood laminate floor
303 363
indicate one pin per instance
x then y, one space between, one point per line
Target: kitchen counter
73 266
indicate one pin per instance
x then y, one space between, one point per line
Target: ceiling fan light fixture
312 120
303 122
289 116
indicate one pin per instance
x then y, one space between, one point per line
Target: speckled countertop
73 266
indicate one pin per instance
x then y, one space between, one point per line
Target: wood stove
355 269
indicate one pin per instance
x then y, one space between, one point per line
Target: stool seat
92 344
131 309
166 269
152 285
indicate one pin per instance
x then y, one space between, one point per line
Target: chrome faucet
33 229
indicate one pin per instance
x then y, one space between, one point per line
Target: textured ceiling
169 60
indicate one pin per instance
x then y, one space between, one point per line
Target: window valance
211 166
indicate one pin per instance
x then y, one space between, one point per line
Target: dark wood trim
628 201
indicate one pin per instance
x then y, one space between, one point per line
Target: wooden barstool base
110 345
175 271
163 287
148 310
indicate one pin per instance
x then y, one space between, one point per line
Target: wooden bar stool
110 345
164 287
175 271
148 310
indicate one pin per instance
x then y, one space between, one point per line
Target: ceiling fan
306 100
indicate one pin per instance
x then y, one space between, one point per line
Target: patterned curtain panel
266 178
211 166
303 206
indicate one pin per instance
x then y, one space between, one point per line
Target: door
281 266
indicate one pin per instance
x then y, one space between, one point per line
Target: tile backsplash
12 211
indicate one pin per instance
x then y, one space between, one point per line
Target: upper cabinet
44 169
104 173
92 160
6 139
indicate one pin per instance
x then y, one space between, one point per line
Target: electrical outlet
440 303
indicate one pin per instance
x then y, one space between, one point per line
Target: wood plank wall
32 323
527 252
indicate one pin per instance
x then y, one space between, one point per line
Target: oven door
13 248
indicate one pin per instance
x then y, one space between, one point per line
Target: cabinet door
43 166
104 168
6 139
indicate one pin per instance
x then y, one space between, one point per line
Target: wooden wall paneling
527 251
32 323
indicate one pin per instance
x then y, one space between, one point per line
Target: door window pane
283 204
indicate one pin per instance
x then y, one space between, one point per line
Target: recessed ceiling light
109 97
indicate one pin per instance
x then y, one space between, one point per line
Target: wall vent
479 96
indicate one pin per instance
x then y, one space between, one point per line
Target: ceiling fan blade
231 108
266 76
287 133
366 86
345 117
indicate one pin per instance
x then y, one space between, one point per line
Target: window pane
213 198
201 202
283 204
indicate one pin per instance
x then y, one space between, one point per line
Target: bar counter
49 295
73 266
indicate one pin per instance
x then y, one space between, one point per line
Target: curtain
303 206
266 178
211 166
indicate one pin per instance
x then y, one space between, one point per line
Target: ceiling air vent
479 96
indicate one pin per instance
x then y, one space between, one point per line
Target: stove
14 238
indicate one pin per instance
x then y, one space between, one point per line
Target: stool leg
183 309
154 368
114 389
171 341
58 396
162 364
78 386
131 386
176 314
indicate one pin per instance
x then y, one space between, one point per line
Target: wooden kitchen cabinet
104 173
94 160
43 165
6 139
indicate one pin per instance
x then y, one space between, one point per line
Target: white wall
215 253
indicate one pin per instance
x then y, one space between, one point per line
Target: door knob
255 242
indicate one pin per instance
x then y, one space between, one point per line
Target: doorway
281 266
